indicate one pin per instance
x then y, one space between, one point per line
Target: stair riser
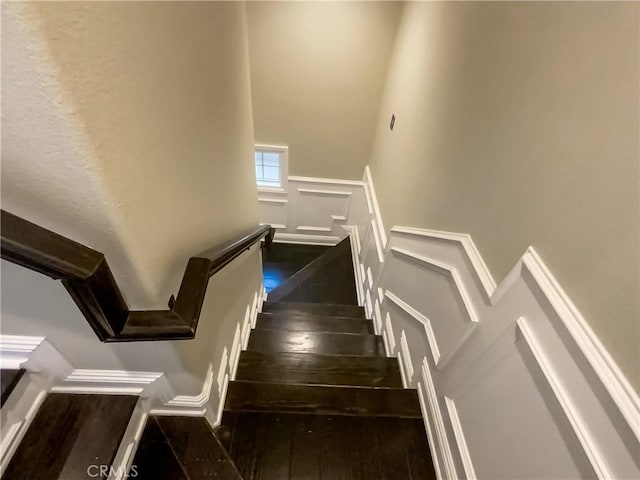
314 342
314 324
248 396
314 308
312 369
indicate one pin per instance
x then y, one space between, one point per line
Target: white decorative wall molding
236 348
429 429
246 327
404 352
13 433
130 440
328 240
443 457
424 321
8 444
368 304
48 370
179 412
355 252
277 226
368 180
319 180
378 241
309 228
445 270
377 316
196 405
222 370
113 382
195 401
403 371
618 387
466 242
458 434
563 398
330 193
272 190
388 328
311 210
223 396
488 345
273 200
16 350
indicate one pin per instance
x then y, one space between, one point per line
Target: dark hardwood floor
314 323
330 400
301 308
314 396
327 279
316 342
9 378
318 369
269 446
181 448
71 436
282 260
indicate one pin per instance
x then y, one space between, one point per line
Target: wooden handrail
86 275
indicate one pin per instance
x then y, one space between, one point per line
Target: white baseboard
355 252
320 180
442 456
303 239
130 440
17 414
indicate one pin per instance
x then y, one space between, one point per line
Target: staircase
314 397
314 394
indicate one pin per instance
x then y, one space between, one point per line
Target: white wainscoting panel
309 210
509 373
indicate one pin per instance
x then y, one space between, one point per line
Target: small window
271 166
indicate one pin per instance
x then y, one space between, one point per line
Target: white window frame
284 166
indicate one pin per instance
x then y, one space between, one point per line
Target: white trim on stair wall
309 210
514 362
48 371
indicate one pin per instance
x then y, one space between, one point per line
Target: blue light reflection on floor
272 277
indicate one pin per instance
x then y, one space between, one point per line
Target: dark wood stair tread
314 323
293 446
318 308
318 369
154 457
327 279
9 378
182 448
69 433
315 342
197 448
319 399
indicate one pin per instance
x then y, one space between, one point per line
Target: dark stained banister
86 275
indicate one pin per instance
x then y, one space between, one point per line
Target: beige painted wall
518 123
128 126
317 73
